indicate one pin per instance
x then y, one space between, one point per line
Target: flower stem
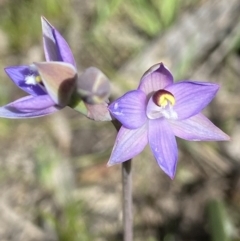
127 201
127 195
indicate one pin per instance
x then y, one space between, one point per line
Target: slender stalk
127 195
127 201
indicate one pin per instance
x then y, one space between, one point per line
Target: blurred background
54 182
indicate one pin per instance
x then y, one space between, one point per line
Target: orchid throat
161 105
34 78
163 98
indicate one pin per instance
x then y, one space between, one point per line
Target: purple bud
93 86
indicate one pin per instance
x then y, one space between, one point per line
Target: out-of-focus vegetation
143 18
20 20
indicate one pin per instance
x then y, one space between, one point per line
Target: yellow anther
163 98
38 79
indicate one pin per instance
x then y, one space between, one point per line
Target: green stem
218 220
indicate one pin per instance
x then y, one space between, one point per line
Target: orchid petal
130 109
30 103
198 128
29 107
191 97
49 42
55 46
18 75
59 80
156 78
129 143
163 145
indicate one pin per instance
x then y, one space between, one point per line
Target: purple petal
49 43
163 145
29 107
55 46
191 97
18 75
30 103
156 78
130 109
198 128
128 144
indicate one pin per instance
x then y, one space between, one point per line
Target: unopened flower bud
93 86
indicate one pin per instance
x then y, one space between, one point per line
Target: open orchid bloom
52 85
158 111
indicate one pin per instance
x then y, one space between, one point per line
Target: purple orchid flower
48 92
158 111
51 85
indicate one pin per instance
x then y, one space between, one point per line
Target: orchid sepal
59 79
29 107
55 46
